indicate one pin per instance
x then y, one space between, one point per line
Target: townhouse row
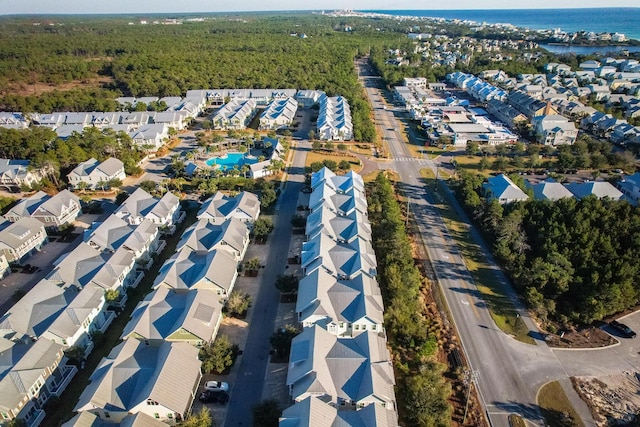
63 313
237 107
340 369
155 372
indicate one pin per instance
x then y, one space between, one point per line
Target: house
349 372
92 174
340 203
135 119
503 189
16 173
19 240
140 205
53 211
166 315
150 137
117 273
342 307
342 260
86 314
599 92
630 187
528 105
78 267
339 228
600 189
13 121
308 98
279 114
236 114
33 314
218 208
204 236
334 119
555 130
158 380
260 169
105 120
172 119
549 190
216 270
39 372
314 412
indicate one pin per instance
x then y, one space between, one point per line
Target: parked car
626 331
209 396
216 386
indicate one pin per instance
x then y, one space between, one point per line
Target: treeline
164 60
58 156
574 261
422 391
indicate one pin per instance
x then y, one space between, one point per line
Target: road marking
464 302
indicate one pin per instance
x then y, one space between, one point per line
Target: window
107 415
357 327
170 415
5 415
157 415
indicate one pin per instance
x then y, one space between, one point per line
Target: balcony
57 386
36 418
136 281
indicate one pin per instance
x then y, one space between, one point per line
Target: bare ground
38 88
613 400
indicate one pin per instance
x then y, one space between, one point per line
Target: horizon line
377 10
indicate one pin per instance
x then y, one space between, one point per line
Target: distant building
503 189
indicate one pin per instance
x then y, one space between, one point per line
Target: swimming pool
229 160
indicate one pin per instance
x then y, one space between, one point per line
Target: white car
216 386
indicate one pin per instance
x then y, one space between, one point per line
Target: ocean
624 20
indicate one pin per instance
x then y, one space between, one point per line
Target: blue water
624 20
230 160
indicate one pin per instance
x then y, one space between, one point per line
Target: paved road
247 391
509 372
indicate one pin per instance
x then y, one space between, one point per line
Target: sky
173 6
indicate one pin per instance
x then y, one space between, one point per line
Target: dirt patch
38 88
235 329
589 337
613 400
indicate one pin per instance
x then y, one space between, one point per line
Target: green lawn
556 408
64 407
501 308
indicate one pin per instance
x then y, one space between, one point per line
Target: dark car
209 396
626 331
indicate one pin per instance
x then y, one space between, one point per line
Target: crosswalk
410 159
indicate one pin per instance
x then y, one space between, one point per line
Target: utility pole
470 378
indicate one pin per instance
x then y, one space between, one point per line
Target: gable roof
502 188
550 191
26 207
221 207
78 267
355 369
314 412
600 189
164 312
187 269
203 236
34 313
21 231
134 372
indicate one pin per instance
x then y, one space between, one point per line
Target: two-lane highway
509 372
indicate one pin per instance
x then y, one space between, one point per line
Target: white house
503 189
93 174
555 130
19 240
158 380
